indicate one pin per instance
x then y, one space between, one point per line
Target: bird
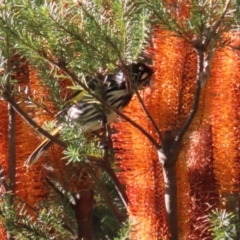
115 89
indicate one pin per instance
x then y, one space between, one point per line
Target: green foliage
50 221
198 22
225 225
86 36
78 145
105 224
124 231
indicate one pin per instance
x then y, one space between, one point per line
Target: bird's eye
141 68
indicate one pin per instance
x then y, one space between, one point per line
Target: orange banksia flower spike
225 120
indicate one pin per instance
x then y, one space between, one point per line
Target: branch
29 120
121 192
11 147
102 190
192 113
11 125
170 198
216 26
107 167
201 56
148 115
3 180
105 163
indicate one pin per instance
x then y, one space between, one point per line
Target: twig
148 114
29 120
118 185
101 31
192 113
103 191
11 125
60 193
217 24
107 167
3 180
11 147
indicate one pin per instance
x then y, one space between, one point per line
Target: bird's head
140 74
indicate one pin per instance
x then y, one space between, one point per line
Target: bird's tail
41 149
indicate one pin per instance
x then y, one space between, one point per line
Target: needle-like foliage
60 43
192 104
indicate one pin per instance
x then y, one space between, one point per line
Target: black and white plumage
116 89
